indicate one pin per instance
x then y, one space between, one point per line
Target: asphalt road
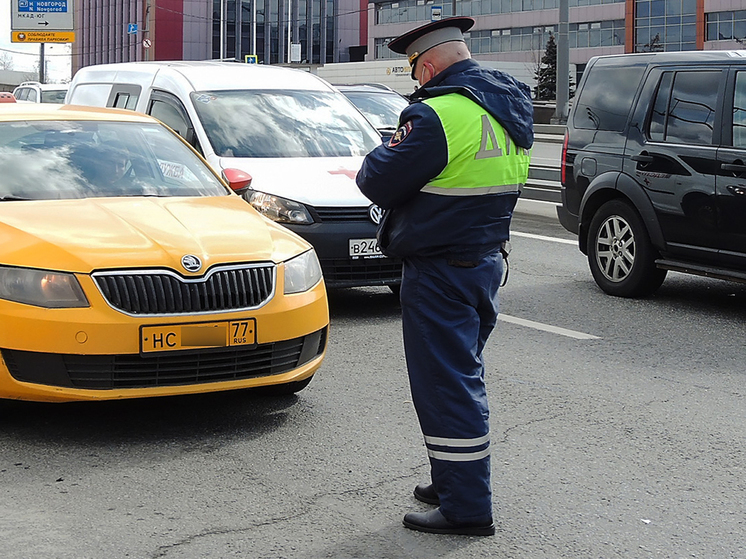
618 430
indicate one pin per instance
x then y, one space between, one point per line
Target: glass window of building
665 25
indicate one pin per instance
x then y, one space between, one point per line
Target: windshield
46 160
260 123
381 109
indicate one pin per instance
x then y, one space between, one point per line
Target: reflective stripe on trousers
447 315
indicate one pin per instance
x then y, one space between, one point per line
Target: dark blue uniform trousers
448 313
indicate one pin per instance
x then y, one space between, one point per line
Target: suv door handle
643 158
734 167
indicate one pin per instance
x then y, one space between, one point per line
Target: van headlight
279 209
302 272
42 288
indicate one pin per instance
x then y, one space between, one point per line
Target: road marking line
543 238
547 328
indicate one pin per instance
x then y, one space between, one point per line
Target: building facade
132 30
285 31
518 30
314 31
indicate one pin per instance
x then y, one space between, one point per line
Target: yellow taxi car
129 269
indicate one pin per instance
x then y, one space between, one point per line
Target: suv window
739 111
684 107
605 101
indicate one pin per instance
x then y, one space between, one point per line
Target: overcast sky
25 56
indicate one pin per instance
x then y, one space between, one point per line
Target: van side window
31 95
90 94
739 111
684 109
170 111
124 96
605 101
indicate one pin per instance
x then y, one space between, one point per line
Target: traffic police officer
448 181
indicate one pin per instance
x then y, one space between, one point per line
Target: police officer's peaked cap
415 42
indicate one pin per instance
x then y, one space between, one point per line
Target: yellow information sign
42 36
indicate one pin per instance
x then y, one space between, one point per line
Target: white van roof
208 75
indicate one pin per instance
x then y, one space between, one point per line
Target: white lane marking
543 238
547 328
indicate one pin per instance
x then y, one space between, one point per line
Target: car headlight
302 272
41 288
279 209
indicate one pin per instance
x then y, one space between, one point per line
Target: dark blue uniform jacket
392 175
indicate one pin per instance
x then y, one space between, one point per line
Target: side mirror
239 181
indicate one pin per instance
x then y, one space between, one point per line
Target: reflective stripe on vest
482 158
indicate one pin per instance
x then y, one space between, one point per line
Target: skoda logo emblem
191 263
375 213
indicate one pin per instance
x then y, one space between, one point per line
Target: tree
546 73
6 61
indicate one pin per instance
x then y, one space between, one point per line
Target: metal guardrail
544 180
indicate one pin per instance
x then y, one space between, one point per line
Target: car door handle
643 158
734 167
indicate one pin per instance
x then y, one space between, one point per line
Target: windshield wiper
12 197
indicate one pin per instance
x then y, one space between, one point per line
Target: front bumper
331 238
94 353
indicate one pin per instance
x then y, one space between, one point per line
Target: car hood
318 181
105 233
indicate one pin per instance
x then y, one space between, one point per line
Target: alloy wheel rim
615 249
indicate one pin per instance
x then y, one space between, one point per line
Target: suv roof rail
29 83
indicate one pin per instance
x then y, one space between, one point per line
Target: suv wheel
620 254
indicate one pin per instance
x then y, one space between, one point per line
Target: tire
286 389
620 254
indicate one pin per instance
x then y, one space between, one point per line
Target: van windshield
263 123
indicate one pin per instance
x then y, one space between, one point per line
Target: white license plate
364 248
175 337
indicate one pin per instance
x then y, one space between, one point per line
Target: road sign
146 43
131 28
42 37
436 13
250 58
41 15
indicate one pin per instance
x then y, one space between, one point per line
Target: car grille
343 214
164 292
341 272
102 372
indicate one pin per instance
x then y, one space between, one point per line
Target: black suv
654 168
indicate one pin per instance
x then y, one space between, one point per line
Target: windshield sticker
400 134
171 170
204 98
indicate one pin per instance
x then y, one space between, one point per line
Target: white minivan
298 137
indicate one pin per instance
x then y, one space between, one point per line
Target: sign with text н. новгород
41 15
